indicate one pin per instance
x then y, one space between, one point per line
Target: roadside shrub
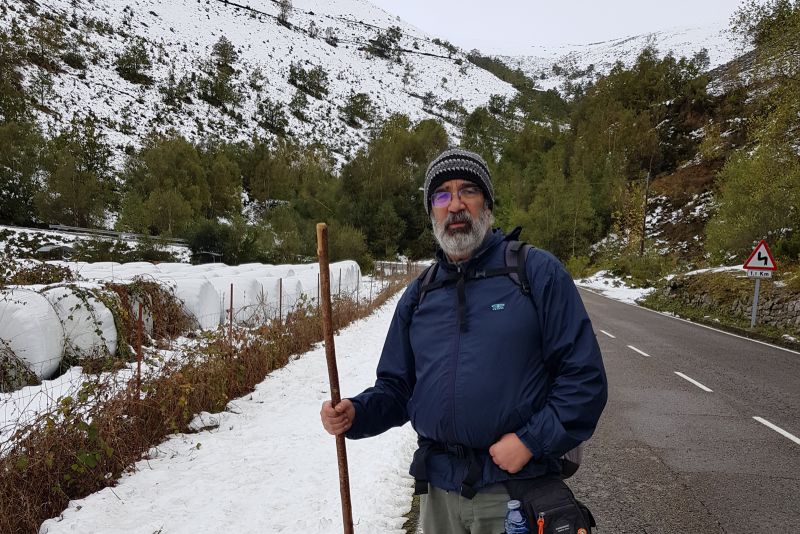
645 270
578 266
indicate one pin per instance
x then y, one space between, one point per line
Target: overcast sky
514 26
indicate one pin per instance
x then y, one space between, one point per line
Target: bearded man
499 378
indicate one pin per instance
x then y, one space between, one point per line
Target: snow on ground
17 241
613 287
268 466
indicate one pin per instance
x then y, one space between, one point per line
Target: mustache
458 218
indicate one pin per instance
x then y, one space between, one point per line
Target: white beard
462 242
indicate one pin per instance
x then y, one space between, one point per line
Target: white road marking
609 335
693 381
591 290
778 429
637 350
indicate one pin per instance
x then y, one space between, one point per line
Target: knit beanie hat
454 164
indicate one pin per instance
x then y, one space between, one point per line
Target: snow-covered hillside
580 63
179 36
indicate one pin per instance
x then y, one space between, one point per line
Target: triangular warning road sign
761 259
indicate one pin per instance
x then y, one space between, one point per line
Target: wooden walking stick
333 373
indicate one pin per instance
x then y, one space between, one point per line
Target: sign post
759 265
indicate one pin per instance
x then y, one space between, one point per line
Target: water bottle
515 519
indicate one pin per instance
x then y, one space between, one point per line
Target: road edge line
592 290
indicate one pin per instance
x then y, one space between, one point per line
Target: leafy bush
95 250
578 266
643 271
16 273
348 243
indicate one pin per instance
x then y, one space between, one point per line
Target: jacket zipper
456 351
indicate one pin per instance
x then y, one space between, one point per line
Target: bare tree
284 10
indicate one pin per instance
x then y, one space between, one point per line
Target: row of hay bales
41 325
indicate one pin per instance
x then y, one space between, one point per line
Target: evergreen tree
386 44
358 109
20 154
224 181
42 87
298 105
79 180
47 40
271 116
218 87
380 188
176 92
133 63
313 82
13 101
166 188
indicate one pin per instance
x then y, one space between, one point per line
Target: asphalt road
670 456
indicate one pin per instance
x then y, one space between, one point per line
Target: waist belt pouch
550 499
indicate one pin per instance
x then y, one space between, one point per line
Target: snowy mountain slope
582 62
179 37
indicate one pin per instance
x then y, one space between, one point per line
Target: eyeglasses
440 199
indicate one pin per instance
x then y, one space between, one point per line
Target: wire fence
246 309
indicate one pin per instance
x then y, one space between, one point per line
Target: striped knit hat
455 164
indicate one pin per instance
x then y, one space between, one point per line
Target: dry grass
92 439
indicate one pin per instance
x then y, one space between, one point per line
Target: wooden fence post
139 354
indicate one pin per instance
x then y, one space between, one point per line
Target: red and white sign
761 259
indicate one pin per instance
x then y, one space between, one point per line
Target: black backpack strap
516 257
425 279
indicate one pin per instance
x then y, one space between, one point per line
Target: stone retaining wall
732 293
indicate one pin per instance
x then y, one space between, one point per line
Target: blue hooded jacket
510 362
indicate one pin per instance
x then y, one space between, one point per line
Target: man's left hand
510 454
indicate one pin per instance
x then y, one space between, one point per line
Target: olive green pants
447 512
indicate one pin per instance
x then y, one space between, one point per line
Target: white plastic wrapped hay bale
248 297
280 271
266 306
256 299
175 267
209 267
129 270
30 328
88 324
348 274
198 297
309 285
291 291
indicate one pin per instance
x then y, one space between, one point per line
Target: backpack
516 255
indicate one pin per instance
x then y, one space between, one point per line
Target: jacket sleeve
578 386
383 406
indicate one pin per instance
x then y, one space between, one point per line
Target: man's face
464 196
460 218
